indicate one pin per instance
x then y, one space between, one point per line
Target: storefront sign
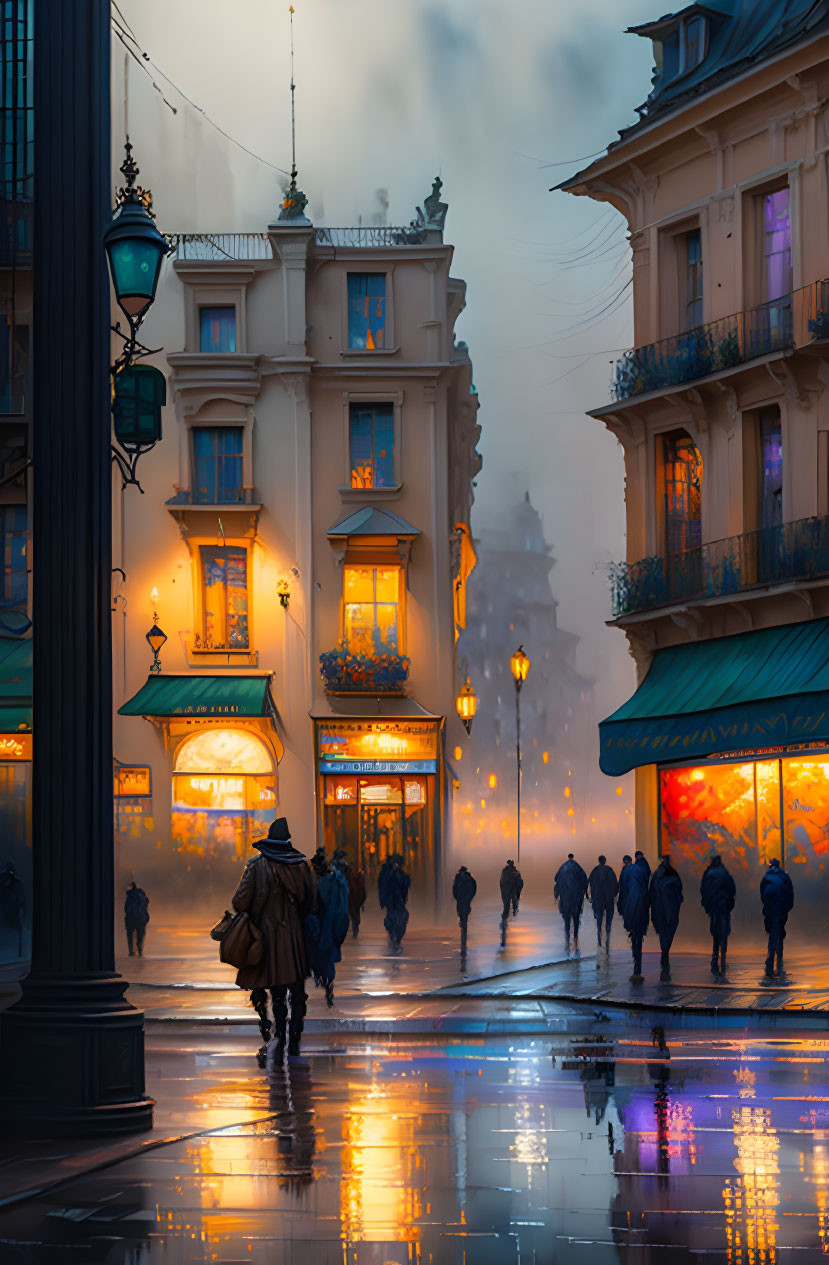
15 746
377 739
378 766
132 781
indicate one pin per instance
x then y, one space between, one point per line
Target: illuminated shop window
217 328
371 445
224 598
372 606
217 462
224 793
366 310
223 751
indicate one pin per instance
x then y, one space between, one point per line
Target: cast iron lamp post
467 705
155 638
519 667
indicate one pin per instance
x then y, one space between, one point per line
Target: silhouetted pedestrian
570 890
718 893
393 890
777 896
511 885
603 888
326 929
13 903
278 890
463 889
633 906
136 917
665 900
356 880
643 860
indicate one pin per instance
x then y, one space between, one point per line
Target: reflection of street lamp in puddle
373 1200
752 1199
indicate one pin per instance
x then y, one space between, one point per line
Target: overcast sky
491 95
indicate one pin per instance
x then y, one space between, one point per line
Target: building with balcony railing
306 527
722 412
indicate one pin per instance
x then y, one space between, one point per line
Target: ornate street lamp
467 705
155 637
135 249
519 667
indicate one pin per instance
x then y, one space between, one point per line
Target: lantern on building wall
467 705
139 393
134 247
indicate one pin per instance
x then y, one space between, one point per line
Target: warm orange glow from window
223 751
371 598
492 781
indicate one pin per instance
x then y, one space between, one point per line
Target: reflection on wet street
590 1148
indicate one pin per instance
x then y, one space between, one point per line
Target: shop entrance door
371 817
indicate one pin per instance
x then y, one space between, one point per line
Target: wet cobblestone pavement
587 1147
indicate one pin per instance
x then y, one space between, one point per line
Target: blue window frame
217 465
366 310
217 328
371 445
15 579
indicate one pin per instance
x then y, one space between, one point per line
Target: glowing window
223 751
372 604
225 598
371 443
366 310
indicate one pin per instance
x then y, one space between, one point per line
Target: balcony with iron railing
233 247
793 320
792 553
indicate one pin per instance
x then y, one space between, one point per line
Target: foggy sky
484 93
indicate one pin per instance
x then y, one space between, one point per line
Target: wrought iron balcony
793 320
756 559
219 247
346 673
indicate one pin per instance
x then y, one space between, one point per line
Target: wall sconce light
283 590
155 638
467 705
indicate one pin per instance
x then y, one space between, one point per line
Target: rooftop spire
294 202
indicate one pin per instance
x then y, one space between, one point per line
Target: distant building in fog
510 602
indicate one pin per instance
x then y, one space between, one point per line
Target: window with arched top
224 793
223 751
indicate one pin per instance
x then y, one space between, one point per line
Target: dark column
72 1050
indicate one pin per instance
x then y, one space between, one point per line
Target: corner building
305 526
722 409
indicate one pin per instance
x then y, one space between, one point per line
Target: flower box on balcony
345 673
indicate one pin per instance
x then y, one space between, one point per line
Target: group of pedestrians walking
644 898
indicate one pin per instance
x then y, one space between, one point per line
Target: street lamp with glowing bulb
155 637
519 667
467 705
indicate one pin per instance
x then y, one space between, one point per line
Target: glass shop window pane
366 310
225 598
217 328
217 456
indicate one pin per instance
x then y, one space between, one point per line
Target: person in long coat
463 890
356 880
326 929
278 890
777 896
633 906
511 884
603 886
665 899
136 917
718 893
393 891
570 890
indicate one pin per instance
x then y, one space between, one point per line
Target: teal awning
202 696
757 689
15 685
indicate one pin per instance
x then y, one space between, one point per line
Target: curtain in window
217 328
366 310
777 244
372 446
217 454
225 597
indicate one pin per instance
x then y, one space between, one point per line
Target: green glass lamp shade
135 249
155 638
139 393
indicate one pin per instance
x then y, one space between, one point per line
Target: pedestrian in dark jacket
326 929
136 917
393 890
665 898
511 885
603 888
278 890
463 890
570 890
13 904
777 896
718 893
633 906
356 880
640 856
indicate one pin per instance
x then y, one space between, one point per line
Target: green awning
202 696
15 685
757 689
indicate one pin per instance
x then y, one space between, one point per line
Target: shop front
378 787
730 739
